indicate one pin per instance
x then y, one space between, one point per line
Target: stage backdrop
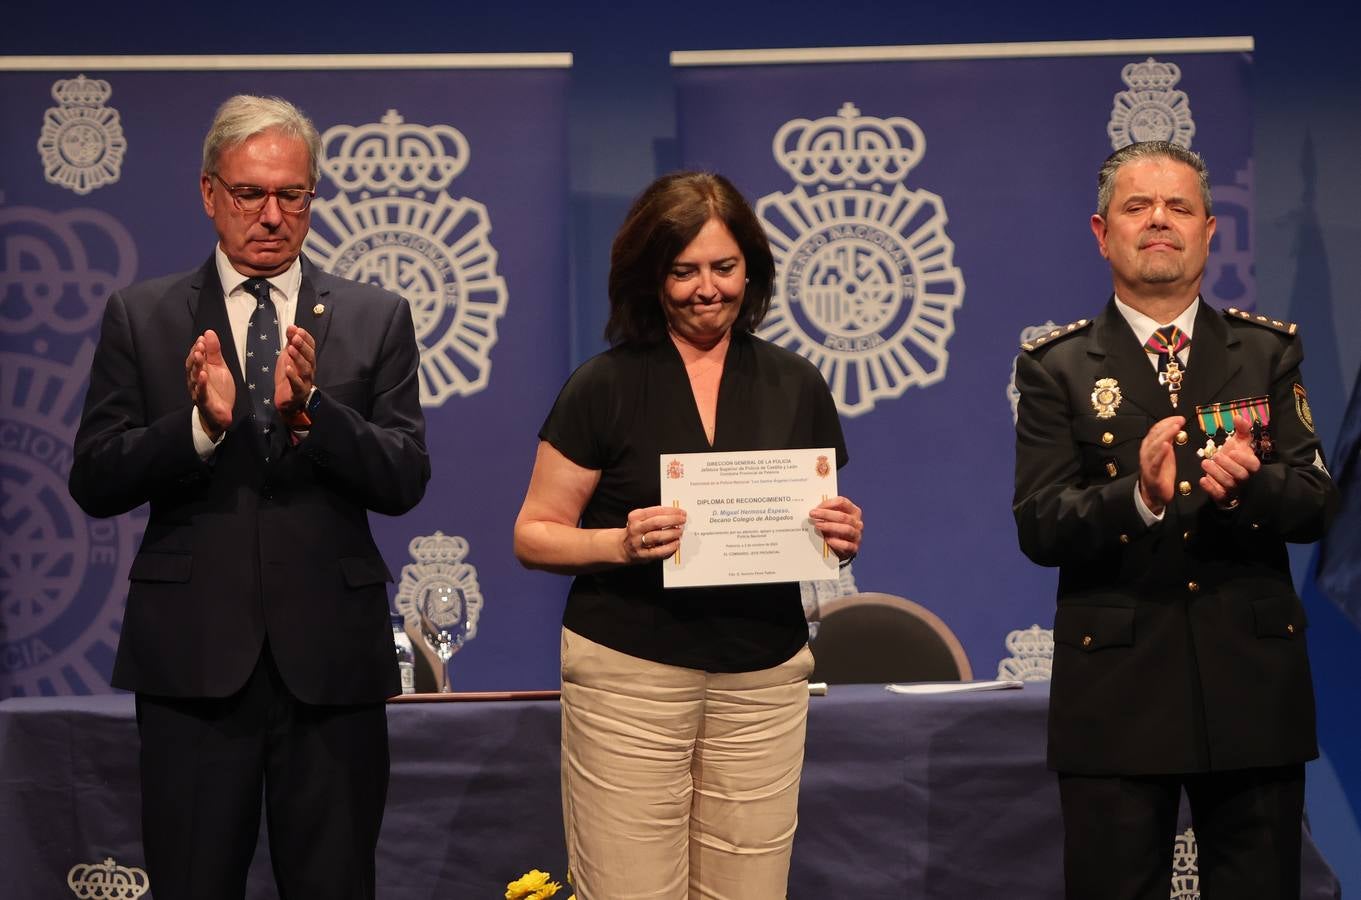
929 210
444 179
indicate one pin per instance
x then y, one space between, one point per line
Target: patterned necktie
1167 342
262 348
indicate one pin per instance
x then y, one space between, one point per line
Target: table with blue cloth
920 796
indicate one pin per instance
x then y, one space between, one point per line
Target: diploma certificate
747 516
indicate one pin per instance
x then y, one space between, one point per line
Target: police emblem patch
386 228
1151 109
1302 407
866 286
81 143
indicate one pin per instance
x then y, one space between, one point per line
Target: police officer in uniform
1180 661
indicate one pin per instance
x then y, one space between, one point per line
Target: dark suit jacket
237 549
1178 647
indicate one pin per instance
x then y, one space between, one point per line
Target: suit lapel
1127 362
314 313
1213 362
208 309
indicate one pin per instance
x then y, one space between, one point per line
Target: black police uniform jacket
1179 647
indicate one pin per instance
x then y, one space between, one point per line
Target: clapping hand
294 371
1232 464
211 385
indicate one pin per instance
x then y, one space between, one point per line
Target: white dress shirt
1144 327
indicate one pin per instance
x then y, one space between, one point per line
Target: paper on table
953 687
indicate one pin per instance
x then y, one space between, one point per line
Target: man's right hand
1158 464
211 386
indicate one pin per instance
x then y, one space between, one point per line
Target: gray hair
1105 179
242 117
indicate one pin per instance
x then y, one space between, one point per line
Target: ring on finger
644 541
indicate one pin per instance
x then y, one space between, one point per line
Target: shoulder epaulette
1258 319
1054 334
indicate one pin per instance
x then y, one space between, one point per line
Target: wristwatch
302 419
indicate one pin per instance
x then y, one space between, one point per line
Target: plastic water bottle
406 655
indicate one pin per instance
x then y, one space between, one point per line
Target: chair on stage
874 638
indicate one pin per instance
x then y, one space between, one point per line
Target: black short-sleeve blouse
617 413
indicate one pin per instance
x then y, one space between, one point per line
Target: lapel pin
318 309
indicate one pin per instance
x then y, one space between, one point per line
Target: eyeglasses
251 199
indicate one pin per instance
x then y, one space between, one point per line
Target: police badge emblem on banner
1218 418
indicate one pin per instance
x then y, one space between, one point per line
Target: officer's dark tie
262 350
1167 342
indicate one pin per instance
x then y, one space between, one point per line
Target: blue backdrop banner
1339 560
443 179
929 210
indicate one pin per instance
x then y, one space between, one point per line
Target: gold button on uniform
1193 586
1186 536
1107 438
1184 488
1086 640
1124 539
1181 437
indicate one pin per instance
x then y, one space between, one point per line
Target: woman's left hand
839 522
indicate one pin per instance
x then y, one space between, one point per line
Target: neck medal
1172 377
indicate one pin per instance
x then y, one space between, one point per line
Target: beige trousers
679 784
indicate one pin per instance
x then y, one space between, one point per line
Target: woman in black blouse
683 709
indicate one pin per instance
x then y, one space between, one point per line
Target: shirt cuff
203 445
1150 518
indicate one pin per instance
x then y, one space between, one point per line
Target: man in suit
1180 660
256 635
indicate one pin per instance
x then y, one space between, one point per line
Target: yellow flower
533 885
